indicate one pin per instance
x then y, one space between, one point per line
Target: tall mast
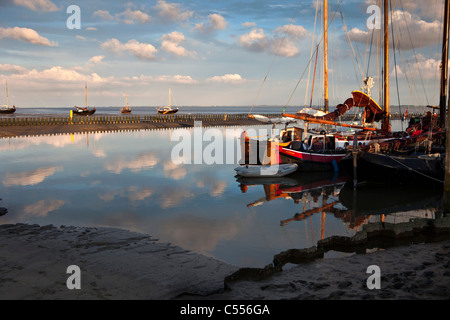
385 125
170 103
325 52
444 70
85 94
7 98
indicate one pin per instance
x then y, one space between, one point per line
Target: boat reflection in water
379 216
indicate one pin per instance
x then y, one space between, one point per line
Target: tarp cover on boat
373 112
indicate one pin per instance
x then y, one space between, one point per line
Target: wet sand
118 264
31 130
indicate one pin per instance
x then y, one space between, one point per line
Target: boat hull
168 111
312 161
256 171
382 168
83 112
7 111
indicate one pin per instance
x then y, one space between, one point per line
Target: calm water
128 180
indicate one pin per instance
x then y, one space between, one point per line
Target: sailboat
323 150
84 111
125 109
6 109
400 160
167 109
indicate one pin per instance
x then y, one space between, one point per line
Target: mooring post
355 160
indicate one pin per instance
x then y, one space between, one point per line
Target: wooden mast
325 53
7 98
444 70
85 95
385 127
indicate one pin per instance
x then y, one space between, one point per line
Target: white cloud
143 51
216 22
227 78
103 14
411 31
171 44
129 16
27 35
37 5
172 11
8 68
249 24
284 41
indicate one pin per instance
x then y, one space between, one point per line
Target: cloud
8 68
284 41
216 22
103 14
37 5
411 31
95 60
249 24
143 51
129 16
172 12
227 78
171 44
29 178
27 35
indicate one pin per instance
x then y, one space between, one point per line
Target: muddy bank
31 130
118 264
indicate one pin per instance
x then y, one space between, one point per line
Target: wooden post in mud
355 161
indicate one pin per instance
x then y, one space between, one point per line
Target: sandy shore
118 264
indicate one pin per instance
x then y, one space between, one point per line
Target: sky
212 53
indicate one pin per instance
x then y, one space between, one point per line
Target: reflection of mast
325 52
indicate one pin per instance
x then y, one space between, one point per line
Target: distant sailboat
84 111
5 109
167 109
125 109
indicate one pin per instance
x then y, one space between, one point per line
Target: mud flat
118 264
31 130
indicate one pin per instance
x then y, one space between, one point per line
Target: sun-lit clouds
26 35
426 68
411 31
8 68
284 41
143 51
103 14
37 5
171 43
129 16
172 12
30 178
215 22
227 78
248 24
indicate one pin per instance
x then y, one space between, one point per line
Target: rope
411 169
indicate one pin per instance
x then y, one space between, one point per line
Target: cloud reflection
30 178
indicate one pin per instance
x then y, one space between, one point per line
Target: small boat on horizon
6 109
84 111
167 109
125 109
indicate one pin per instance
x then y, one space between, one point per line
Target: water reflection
128 180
